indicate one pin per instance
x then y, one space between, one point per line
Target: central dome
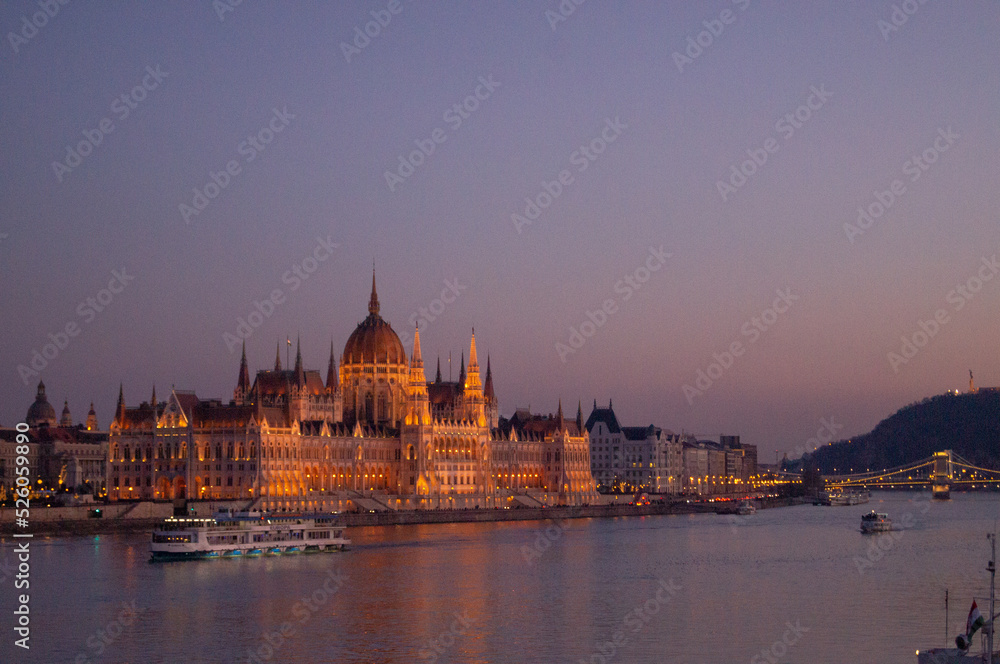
373 340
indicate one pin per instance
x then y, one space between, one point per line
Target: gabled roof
639 433
279 383
604 415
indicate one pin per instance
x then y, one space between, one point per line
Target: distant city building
61 455
374 435
633 458
712 468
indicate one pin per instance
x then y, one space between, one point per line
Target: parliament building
375 435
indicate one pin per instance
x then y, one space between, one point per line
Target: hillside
968 424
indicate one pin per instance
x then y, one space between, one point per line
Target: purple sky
928 88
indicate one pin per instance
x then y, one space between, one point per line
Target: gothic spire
579 417
300 376
277 357
488 388
559 415
461 373
331 371
121 404
243 384
416 360
373 301
473 380
437 378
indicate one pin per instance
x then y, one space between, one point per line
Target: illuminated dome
373 340
41 412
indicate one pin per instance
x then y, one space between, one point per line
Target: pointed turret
461 373
67 419
277 357
559 416
300 375
579 417
331 371
243 383
472 381
91 418
488 387
373 301
120 410
437 378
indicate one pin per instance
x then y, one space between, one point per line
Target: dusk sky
890 107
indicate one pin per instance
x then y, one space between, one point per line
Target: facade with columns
375 434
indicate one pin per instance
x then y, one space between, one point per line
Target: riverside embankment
144 516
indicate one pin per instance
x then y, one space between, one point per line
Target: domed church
374 435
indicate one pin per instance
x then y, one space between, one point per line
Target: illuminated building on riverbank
374 434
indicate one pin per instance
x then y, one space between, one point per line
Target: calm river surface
700 588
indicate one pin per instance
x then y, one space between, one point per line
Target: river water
797 584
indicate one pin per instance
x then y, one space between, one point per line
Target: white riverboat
875 522
746 508
246 534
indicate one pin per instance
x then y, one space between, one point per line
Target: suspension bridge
943 471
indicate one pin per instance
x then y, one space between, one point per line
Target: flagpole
992 568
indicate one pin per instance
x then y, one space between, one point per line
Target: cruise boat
246 534
876 522
746 508
850 497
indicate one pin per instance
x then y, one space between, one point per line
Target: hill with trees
968 424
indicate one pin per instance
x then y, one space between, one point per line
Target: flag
288 340
975 620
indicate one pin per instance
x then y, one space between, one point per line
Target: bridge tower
942 475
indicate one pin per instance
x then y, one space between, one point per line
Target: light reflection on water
467 593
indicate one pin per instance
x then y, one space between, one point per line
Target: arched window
218 451
369 413
114 452
229 451
253 450
159 451
128 457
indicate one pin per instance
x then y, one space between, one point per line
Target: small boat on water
745 508
246 535
854 497
875 522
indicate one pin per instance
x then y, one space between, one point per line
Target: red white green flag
975 620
